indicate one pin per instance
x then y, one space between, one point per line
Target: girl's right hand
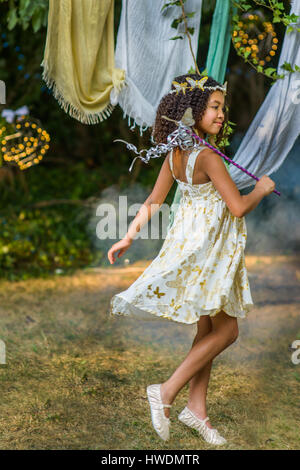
122 245
266 184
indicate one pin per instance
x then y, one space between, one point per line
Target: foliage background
45 212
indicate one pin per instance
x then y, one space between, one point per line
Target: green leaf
191 30
190 15
292 18
191 70
23 7
165 6
32 7
269 71
204 72
170 4
287 66
176 22
36 21
176 37
260 69
12 18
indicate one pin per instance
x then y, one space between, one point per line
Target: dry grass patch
76 379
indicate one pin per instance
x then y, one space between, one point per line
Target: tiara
196 84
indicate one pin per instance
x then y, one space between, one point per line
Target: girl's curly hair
174 106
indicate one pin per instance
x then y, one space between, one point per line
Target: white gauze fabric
150 59
276 125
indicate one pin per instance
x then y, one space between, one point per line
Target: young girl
199 275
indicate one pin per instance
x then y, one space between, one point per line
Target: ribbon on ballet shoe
161 406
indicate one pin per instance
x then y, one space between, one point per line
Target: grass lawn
76 379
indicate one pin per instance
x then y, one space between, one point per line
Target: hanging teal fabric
219 43
216 62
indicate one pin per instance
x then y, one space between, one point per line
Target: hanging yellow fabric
79 63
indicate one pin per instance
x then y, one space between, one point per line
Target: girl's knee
233 329
226 325
234 332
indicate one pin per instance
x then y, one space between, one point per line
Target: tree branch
188 35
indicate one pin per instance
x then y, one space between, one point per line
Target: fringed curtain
79 58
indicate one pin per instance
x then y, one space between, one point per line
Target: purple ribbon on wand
183 137
227 158
184 125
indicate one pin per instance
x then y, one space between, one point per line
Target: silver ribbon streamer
179 138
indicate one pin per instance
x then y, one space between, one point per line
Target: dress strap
171 163
191 163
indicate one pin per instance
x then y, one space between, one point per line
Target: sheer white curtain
150 59
276 125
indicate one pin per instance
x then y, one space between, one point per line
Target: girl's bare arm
239 205
158 195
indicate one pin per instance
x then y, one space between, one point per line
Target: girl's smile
213 118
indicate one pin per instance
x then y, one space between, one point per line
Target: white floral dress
200 268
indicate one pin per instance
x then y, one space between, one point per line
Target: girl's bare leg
224 332
198 384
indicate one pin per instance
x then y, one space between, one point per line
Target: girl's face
213 117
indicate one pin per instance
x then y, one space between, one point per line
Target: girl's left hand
122 245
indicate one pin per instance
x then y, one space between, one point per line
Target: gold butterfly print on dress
200 269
